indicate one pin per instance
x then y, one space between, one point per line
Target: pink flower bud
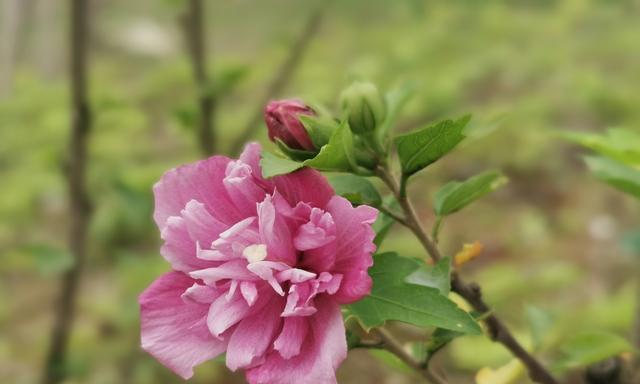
283 123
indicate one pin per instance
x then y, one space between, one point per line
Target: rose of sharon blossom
283 123
260 268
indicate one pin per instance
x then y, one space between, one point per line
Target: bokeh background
553 237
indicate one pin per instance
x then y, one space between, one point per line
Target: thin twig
284 73
195 33
498 331
393 346
79 206
392 214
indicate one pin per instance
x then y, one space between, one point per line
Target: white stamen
255 252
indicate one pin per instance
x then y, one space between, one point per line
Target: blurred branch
195 33
79 206
498 331
12 17
392 345
284 73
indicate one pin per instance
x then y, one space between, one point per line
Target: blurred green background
553 237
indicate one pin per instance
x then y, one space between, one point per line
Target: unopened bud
283 123
364 107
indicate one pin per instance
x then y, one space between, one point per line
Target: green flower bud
364 107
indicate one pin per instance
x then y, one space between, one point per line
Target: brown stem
79 206
393 346
284 73
498 331
196 40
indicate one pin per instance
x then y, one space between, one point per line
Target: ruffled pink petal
322 351
251 156
275 233
254 335
225 313
243 188
174 331
234 269
201 181
202 294
306 185
179 249
202 227
291 337
354 238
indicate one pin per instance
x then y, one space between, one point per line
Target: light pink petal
234 269
249 292
291 337
201 181
354 239
266 270
179 249
322 351
223 313
202 294
310 236
202 227
254 335
174 331
251 156
243 188
275 233
306 185
295 275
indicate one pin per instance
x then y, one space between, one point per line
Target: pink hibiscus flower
260 268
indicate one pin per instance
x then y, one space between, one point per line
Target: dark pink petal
174 331
354 238
201 181
254 335
322 351
306 185
291 337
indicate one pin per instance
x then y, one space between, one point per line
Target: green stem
436 229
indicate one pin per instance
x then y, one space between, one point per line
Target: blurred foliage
524 68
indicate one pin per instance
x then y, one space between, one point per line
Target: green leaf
619 144
294 154
320 128
273 165
434 276
425 146
392 298
338 154
540 323
589 348
618 175
356 189
458 194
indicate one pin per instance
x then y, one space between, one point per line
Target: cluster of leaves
404 289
